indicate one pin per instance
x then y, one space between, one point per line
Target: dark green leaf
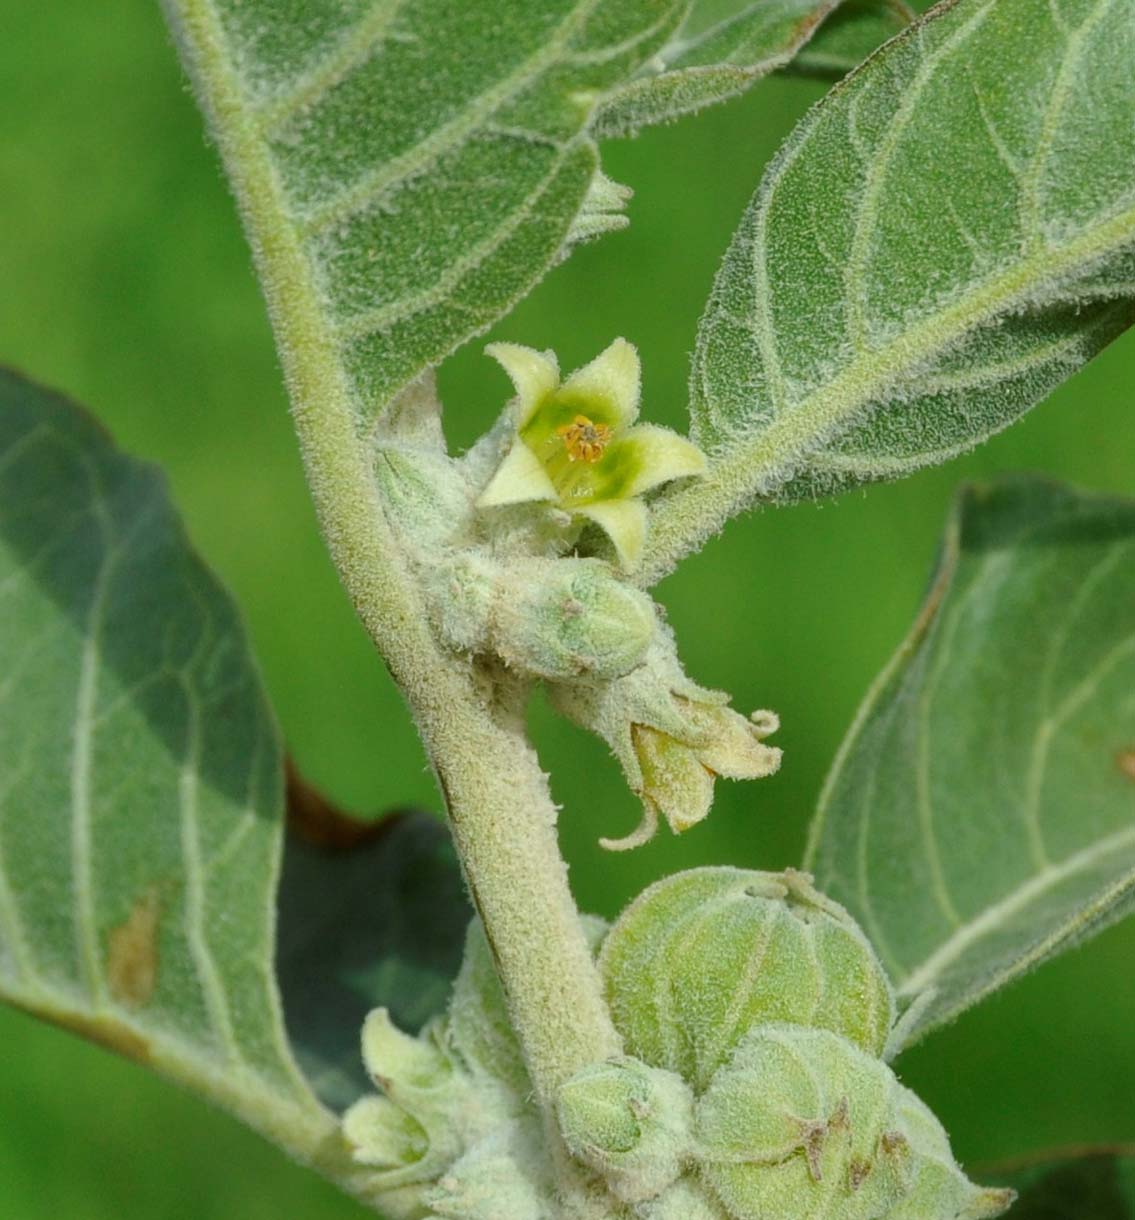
855 30
409 170
377 923
948 235
1079 1185
721 48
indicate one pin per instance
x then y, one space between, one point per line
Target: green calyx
801 1124
629 1122
703 956
556 619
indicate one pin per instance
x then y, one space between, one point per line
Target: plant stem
502 816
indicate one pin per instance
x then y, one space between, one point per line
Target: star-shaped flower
578 447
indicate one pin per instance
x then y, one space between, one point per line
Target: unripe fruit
800 1124
703 956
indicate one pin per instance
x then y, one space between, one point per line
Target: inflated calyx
766 1001
703 956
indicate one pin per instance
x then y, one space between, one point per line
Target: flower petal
734 749
613 378
673 779
624 522
534 374
642 833
520 478
658 456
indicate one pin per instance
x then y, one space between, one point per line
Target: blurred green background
126 283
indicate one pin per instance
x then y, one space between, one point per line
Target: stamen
584 439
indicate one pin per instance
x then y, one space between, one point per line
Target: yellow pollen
584 440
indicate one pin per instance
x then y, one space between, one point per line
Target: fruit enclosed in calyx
703 956
800 1124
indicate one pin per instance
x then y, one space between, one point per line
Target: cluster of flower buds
451 1131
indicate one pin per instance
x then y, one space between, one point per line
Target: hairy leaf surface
720 49
980 816
408 170
851 33
1089 1185
943 239
140 777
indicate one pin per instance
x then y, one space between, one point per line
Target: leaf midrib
993 916
758 467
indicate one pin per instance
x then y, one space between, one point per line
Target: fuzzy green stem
502 816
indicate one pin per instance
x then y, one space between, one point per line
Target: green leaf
980 815
373 923
140 778
1079 1185
943 239
408 171
721 48
855 30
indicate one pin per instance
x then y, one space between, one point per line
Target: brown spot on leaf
1125 761
132 952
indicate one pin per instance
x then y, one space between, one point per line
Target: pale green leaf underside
140 781
944 238
408 170
981 814
721 48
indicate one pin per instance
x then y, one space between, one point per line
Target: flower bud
703 956
559 619
628 1122
504 1176
384 1135
410 1132
801 1124
671 736
425 493
565 619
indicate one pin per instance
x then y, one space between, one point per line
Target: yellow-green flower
578 447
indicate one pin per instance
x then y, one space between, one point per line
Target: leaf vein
449 135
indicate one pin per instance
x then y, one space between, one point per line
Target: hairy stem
502 816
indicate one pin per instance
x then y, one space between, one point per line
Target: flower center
584 440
